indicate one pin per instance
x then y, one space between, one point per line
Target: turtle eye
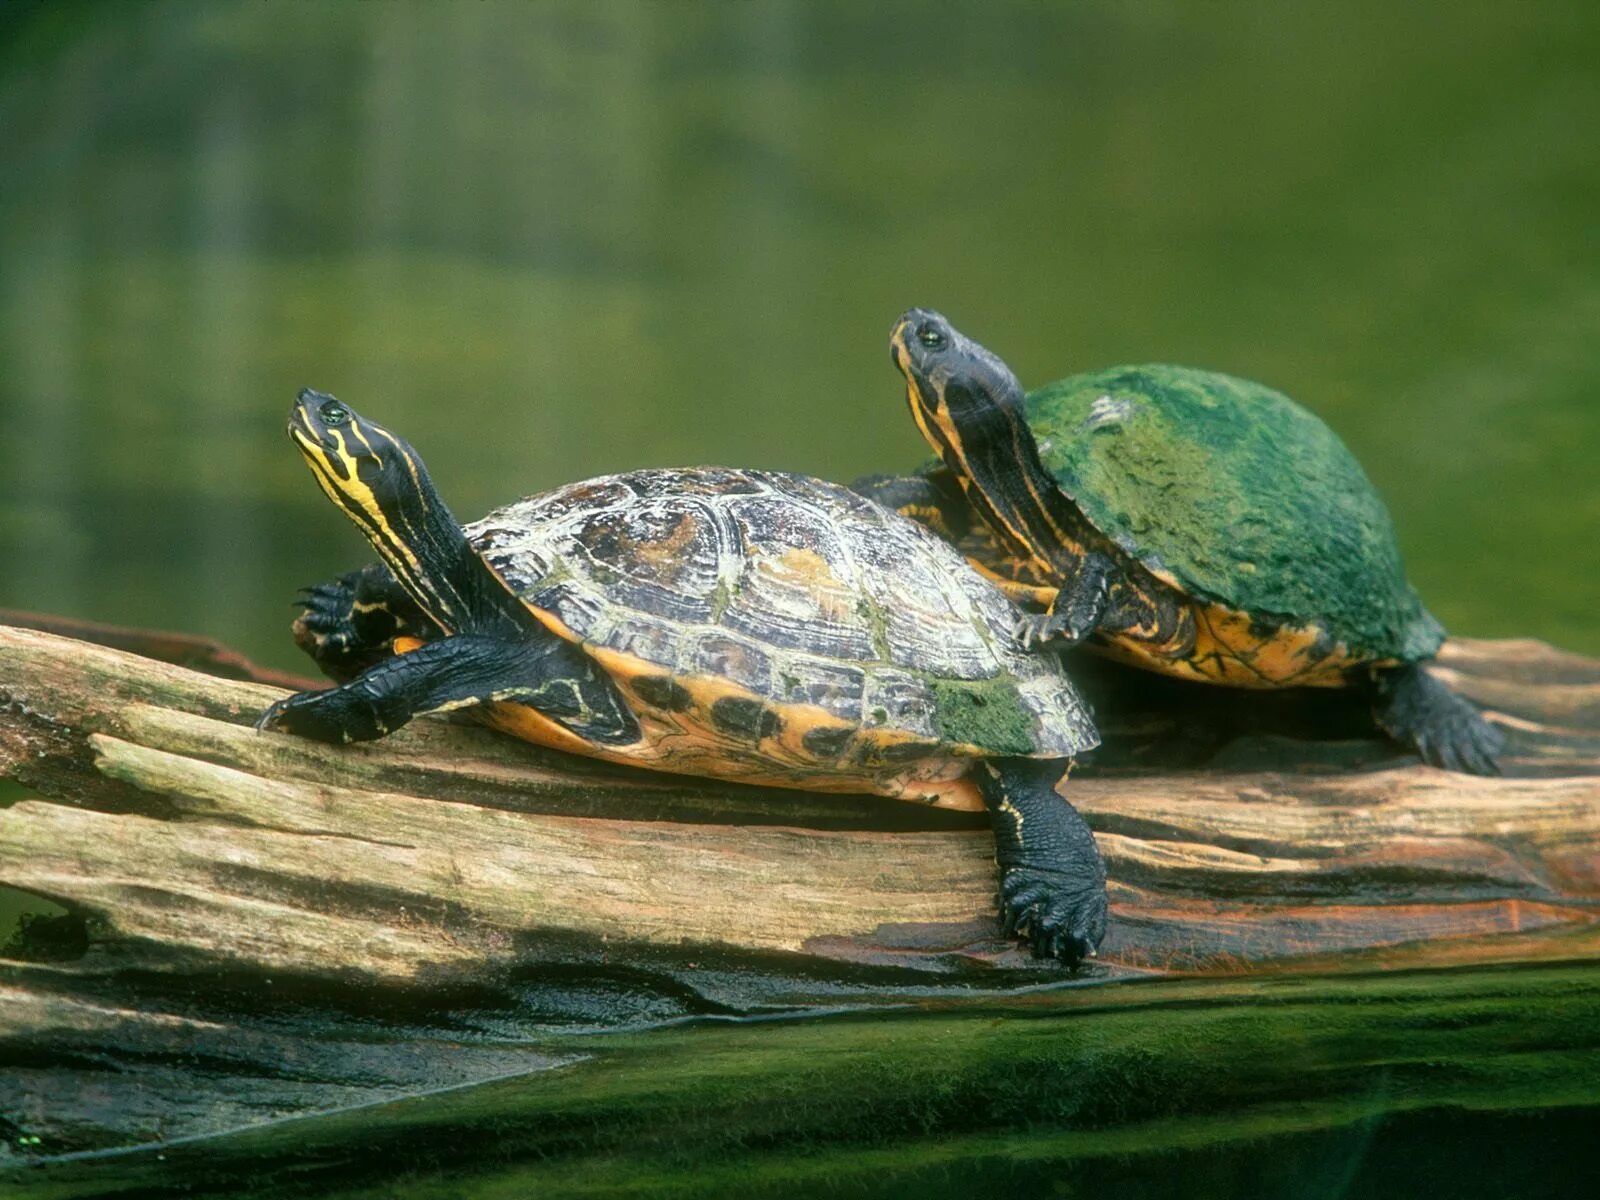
930 337
333 413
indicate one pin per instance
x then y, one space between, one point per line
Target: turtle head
366 470
379 482
956 388
971 408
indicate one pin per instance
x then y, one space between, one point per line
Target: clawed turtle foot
1052 629
348 624
312 715
326 628
1417 710
1470 745
326 607
1062 916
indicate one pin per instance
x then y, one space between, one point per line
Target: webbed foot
1447 730
1052 878
332 716
1061 915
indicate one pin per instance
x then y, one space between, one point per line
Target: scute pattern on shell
798 590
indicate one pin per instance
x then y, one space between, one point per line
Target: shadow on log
411 908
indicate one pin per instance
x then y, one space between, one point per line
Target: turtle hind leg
1052 879
1416 710
349 624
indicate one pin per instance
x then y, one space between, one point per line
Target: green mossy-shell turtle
749 625
1183 521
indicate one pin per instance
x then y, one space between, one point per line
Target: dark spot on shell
661 691
827 741
1263 629
745 718
600 538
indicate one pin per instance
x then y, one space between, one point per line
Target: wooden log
185 649
266 846
207 872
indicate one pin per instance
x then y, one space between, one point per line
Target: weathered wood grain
193 831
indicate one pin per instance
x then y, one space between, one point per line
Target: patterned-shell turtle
748 625
1183 521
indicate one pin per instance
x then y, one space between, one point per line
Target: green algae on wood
1239 494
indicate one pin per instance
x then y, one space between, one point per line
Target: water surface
549 241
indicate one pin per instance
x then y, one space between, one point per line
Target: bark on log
209 873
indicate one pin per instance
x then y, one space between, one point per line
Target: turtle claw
349 623
290 715
1019 909
1063 916
1474 747
325 599
326 606
274 719
1051 628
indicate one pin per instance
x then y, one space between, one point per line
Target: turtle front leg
434 678
1079 608
349 624
932 498
1418 711
555 678
1052 879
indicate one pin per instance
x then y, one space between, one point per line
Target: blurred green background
554 240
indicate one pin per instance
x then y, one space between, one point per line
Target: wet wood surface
449 887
